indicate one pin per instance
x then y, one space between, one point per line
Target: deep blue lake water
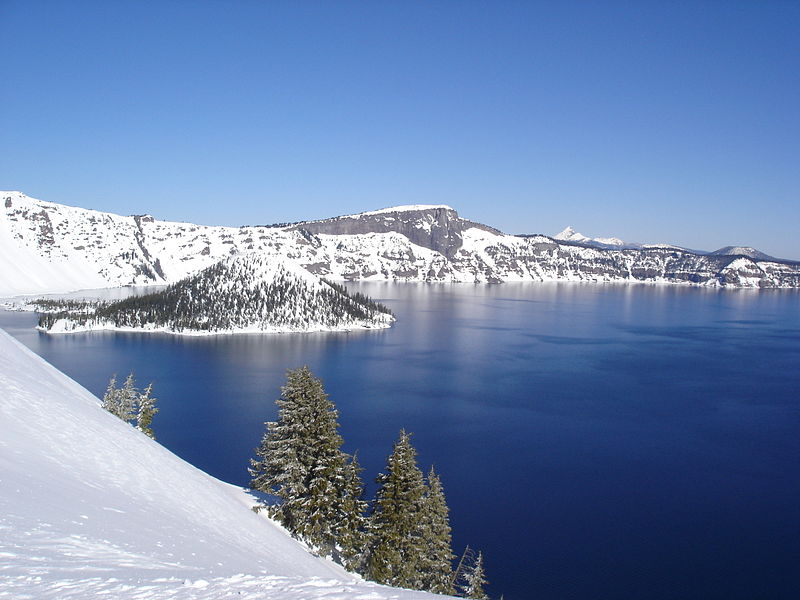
595 441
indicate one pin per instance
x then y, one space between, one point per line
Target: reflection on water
116 293
595 441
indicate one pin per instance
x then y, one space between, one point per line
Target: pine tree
146 411
396 544
110 398
121 401
130 405
352 523
474 580
126 400
437 561
300 461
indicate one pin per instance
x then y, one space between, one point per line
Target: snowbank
90 507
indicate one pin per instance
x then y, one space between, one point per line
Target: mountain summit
570 235
436 227
743 251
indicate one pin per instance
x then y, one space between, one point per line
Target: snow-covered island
247 293
92 508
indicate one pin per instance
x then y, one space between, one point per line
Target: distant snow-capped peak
570 235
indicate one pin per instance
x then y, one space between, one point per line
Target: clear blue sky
662 121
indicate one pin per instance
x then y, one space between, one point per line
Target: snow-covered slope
241 294
409 243
90 508
25 269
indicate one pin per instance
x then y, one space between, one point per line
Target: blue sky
663 121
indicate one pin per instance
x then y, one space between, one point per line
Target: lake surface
595 441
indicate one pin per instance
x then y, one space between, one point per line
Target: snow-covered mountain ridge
90 508
47 247
244 293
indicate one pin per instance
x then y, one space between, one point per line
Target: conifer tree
130 405
437 561
300 461
110 401
474 580
352 525
126 400
146 411
121 401
396 544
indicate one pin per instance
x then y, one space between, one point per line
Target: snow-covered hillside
245 293
48 247
91 508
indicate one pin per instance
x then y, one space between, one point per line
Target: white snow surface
91 508
25 271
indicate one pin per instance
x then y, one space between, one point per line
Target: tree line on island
314 489
225 296
403 538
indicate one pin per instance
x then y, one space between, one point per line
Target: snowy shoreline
55 330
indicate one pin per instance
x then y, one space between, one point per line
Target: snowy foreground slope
90 507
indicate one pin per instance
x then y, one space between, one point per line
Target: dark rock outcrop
438 228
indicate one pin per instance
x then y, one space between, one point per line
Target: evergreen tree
146 411
300 461
474 580
126 400
437 561
397 547
130 405
352 526
121 401
110 398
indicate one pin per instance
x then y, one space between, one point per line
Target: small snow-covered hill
743 251
240 294
49 247
91 508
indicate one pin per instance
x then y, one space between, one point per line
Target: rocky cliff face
417 243
438 228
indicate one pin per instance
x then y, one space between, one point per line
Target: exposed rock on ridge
438 228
